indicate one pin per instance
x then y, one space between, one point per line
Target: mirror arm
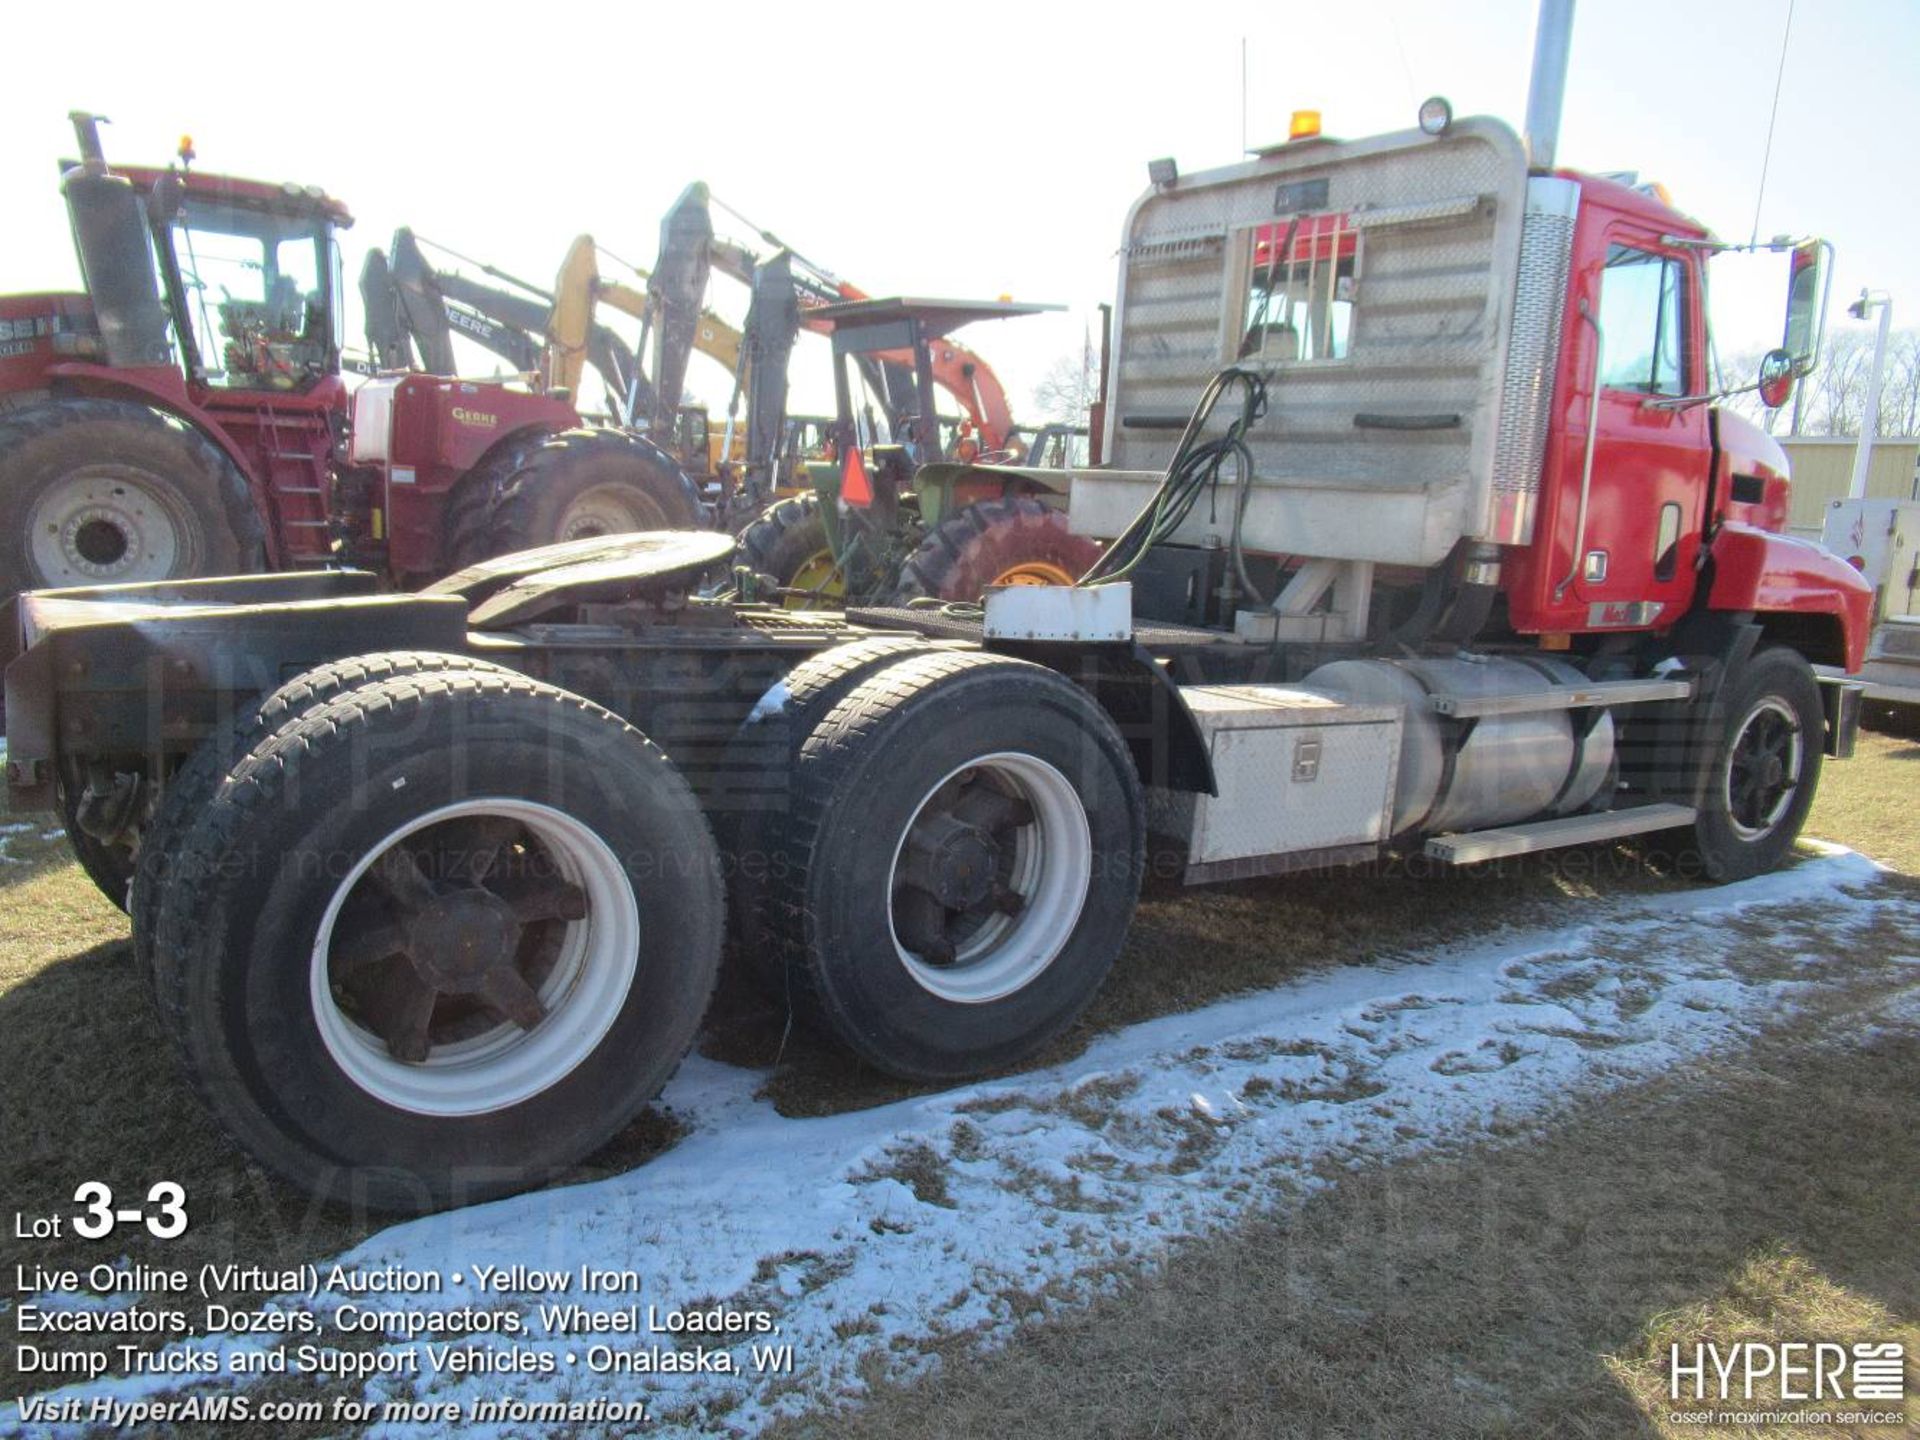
1687 402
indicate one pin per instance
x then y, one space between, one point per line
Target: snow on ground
872 1233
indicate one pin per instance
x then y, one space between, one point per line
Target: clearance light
1304 125
1436 115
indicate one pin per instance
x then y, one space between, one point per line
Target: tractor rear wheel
1016 541
571 486
108 492
789 544
440 938
959 866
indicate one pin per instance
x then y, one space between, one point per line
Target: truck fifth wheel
1425 534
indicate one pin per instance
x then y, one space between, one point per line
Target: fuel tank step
1473 846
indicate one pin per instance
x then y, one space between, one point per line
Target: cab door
1652 460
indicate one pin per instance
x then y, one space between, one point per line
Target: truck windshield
257 297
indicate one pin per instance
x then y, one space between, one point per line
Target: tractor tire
1762 770
750 799
193 784
571 486
1016 541
109 866
440 938
789 545
960 865
107 492
470 506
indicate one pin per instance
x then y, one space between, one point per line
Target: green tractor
917 517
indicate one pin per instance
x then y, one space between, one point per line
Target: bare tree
1070 386
1835 394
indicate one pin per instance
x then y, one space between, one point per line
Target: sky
988 150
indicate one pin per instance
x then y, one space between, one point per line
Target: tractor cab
880 451
237 281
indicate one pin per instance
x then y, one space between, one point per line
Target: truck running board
1474 846
1563 697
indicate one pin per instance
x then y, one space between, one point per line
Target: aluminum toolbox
1304 779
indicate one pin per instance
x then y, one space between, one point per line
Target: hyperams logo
1794 1370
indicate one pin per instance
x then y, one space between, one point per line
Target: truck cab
1475 376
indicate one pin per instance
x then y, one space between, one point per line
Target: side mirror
1777 370
1806 299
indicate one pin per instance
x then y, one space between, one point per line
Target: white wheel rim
583 992
1770 711
106 525
1051 870
608 510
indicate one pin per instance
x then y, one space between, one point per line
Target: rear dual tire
334 886
959 866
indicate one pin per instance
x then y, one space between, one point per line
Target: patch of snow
770 704
1167 1129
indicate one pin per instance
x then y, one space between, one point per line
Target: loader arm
521 328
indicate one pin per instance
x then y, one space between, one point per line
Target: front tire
789 544
440 938
1762 769
960 864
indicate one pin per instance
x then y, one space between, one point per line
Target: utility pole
1870 413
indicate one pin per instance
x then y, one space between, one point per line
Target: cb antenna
1766 160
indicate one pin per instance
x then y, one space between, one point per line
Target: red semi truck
1423 534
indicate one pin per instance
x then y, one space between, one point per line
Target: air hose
1196 468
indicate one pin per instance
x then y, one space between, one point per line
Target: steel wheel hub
989 878
1763 768
474 957
610 510
456 941
105 524
1034 572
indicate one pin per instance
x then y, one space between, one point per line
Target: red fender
1767 573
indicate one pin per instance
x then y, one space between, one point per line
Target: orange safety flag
855 487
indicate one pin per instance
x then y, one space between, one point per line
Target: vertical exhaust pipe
1552 42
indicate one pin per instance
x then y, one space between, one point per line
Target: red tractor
187 415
